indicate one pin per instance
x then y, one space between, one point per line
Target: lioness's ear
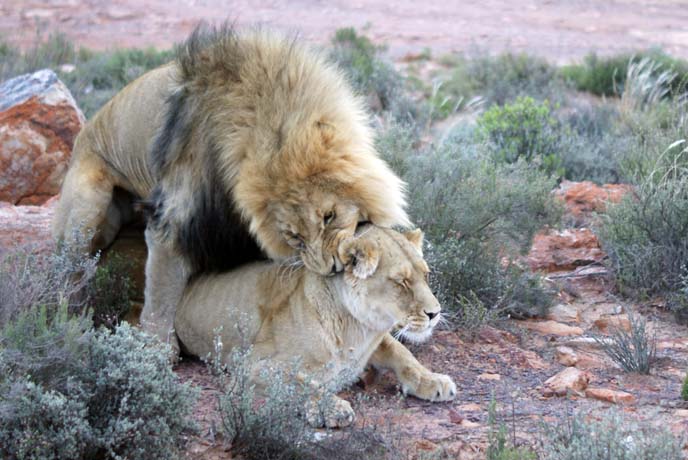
360 257
416 239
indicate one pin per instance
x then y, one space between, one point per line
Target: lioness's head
396 294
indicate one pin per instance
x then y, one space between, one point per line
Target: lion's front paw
431 387
332 413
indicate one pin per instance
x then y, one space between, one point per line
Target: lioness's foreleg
86 214
167 274
415 379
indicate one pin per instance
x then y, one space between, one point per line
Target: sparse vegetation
474 212
67 391
271 422
92 77
606 76
613 437
634 350
500 446
684 389
523 129
644 236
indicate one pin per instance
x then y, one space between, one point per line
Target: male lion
330 323
244 138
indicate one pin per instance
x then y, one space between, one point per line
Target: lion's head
396 294
309 173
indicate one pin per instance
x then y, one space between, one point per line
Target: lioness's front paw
430 386
333 413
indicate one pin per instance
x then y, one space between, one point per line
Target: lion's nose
431 314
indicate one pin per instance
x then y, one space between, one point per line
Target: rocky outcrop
26 226
38 123
564 250
582 198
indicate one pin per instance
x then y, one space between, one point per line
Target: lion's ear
360 257
416 239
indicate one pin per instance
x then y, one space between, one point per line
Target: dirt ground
560 30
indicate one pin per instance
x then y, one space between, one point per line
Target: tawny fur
246 138
329 324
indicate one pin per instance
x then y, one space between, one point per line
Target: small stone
470 407
564 314
551 328
489 377
468 424
454 416
566 356
612 396
570 379
607 322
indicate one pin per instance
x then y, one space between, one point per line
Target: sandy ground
560 30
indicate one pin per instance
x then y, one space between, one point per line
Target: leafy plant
523 129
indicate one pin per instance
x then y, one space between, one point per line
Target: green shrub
500 447
52 52
506 77
374 77
611 438
645 237
606 76
474 213
69 392
684 389
49 279
109 291
97 76
634 350
495 79
524 129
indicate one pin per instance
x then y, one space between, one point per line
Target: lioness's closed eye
328 323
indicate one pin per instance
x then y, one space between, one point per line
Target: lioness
328 322
247 145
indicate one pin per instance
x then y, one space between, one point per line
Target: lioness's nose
431 314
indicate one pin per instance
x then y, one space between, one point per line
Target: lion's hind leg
86 214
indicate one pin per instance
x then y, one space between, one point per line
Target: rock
564 250
470 407
38 123
570 379
489 377
612 396
564 314
566 356
26 226
613 322
551 328
585 197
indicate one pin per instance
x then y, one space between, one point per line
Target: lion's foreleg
415 378
167 273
